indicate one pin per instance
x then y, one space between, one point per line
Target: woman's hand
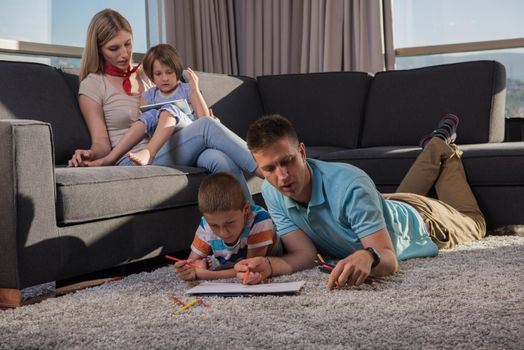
80 157
98 162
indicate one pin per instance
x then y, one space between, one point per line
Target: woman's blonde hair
103 27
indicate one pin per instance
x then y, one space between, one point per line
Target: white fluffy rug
470 297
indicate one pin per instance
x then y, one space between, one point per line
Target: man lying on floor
337 209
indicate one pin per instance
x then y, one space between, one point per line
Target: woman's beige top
120 110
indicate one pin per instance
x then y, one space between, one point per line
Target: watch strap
375 255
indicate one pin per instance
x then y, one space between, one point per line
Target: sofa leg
10 298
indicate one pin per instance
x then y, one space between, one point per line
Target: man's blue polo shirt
345 206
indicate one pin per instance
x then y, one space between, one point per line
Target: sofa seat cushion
494 164
487 164
317 152
87 194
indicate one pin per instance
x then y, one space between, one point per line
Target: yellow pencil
320 258
188 305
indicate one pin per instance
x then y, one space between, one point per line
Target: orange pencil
187 262
246 276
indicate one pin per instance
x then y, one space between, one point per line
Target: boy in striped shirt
231 229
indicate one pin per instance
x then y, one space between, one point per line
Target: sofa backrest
234 99
326 109
404 105
40 92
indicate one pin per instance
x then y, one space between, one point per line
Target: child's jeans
150 118
208 144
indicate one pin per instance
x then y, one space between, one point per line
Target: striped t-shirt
258 232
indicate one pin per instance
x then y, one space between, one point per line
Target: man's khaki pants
455 217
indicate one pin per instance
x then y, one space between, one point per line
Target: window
36 30
428 32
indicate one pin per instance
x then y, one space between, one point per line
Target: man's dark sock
446 130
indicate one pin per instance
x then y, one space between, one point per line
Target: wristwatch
375 255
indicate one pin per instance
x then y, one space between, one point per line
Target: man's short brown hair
220 192
267 130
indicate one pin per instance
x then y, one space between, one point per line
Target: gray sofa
59 222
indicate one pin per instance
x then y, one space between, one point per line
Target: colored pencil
203 303
325 264
328 268
187 262
246 276
178 301
188 305
320 258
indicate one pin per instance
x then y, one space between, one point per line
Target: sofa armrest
29 250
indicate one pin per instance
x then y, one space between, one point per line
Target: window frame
155 33
46 50
515 43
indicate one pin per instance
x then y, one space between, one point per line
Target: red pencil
187 262
178 301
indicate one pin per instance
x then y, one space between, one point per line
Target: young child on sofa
164 67
231 229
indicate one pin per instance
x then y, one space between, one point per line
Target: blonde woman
109 97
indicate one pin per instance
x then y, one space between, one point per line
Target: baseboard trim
11 298
85 284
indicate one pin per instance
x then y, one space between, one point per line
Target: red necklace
109 69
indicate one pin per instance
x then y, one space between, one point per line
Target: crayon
188 305
246 276
187 262
178 301
325 264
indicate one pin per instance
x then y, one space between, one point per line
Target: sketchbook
238 289
182 104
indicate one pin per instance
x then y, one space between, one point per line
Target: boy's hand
184 271
258 267
189 273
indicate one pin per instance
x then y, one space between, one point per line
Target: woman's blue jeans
208 144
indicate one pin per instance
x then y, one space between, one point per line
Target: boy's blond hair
220 192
